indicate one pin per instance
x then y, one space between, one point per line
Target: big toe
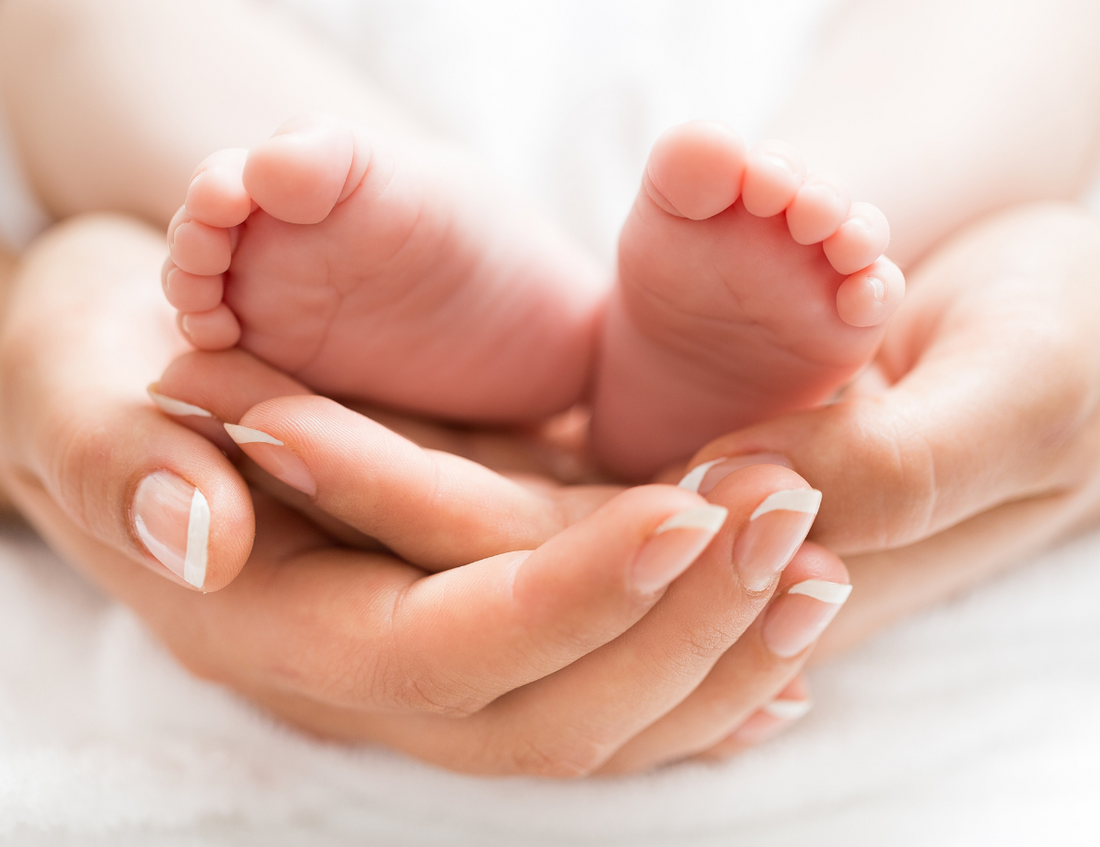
301 172
695 169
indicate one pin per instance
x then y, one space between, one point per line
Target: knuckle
571 758
414 683
424 692
898 478
81 453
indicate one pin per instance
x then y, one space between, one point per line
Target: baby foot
390 275
745 290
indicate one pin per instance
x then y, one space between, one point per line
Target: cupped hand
976 438
561 655
656 688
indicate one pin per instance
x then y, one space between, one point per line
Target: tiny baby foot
394 276
745 290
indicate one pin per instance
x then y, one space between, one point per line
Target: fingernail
674 545
788 710
797 619
775 530
274 456
172 519
702 478
174 407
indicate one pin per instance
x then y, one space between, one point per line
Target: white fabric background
972 724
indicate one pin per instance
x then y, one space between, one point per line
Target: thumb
991 412
83 336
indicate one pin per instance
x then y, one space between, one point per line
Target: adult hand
981 441
561 660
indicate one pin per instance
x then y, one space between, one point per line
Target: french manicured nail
174 407
274 456
172 519
702 478
797 619
674 545
788 710
774 532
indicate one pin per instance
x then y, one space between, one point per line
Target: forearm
114 102
943 111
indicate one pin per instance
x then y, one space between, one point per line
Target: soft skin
513 679
79 162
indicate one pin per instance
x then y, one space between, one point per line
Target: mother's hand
572 657
985 446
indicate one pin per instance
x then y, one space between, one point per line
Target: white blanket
975 723
972 724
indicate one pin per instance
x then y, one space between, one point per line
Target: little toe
309 165
819 208
870 296
189 292
774 170
862 238
216 195
695 169
217 329
198 248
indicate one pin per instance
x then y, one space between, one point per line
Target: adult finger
85 330
572 722
791 704
365 631
753 672
993 398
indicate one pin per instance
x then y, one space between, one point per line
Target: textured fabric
974 723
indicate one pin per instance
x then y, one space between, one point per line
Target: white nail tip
827 592
694 478
788 710
198 539
709 518
806 500
244 435
176 408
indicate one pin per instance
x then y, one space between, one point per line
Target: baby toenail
878 288
781 162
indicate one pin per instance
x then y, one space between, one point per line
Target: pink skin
330 259
366 272
745 290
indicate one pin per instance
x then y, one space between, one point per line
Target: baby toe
695 169
189 292
299 174
216 195
198 248
217 329
818 209
870 296
862 238
774 170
